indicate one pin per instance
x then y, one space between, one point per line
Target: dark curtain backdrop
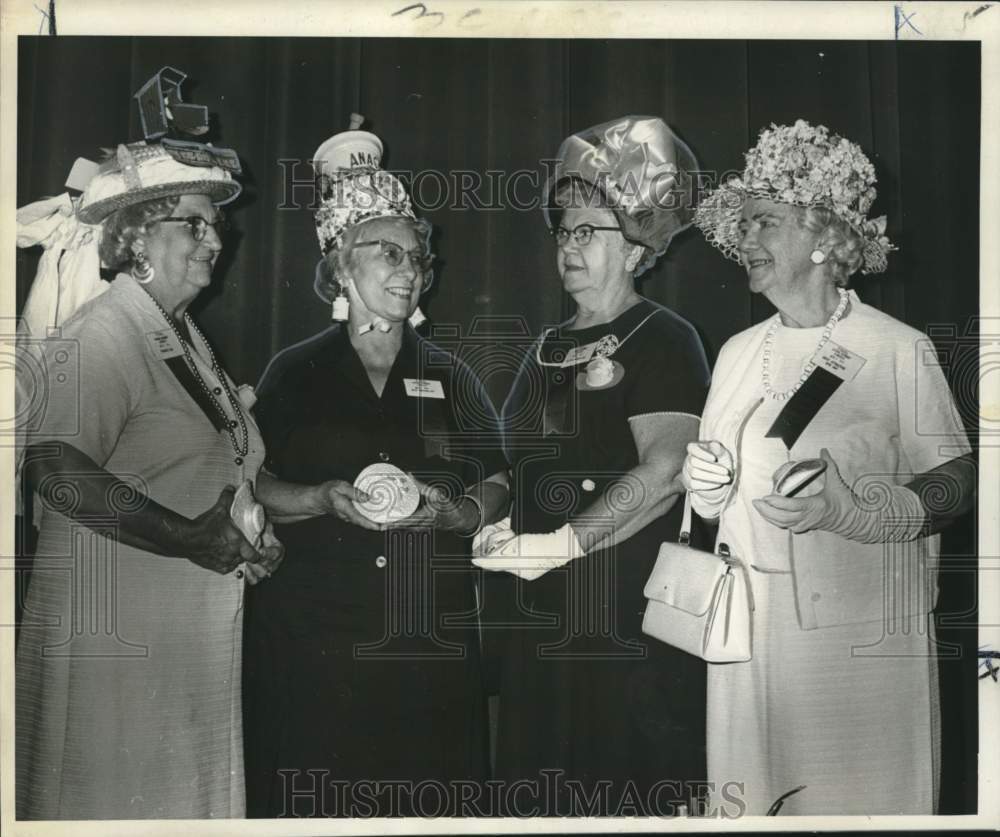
504 105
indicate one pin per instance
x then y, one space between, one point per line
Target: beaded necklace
240 447
765 362
606 346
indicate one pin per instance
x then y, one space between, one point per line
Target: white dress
129 663
841 695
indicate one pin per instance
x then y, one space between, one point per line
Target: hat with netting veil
801 165
643 171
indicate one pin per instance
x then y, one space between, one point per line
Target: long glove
531 556
896 516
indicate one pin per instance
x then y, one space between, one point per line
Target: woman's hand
440 511
708 467
336 497
492 536
212 540
531 556
272 554
896 514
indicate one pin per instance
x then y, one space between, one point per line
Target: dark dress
362 652
583 692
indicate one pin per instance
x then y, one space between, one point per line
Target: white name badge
422 388
164 344
580 354
839 361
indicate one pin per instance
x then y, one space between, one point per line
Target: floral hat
353 186
643 170
804 166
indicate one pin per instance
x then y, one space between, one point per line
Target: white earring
341 308
417 317
817 256
142 271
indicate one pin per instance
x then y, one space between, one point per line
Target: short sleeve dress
841 695
128 663
363 650
582 690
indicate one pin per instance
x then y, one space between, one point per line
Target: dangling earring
341 308
817 256
142 270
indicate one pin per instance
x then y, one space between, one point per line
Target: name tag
581 354
422 388
839 361
164 344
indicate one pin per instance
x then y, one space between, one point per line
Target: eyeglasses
393 254
199 226
582 234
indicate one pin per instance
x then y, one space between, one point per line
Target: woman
363 654
596 426
128 663
840 700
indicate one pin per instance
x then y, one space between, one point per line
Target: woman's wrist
473 516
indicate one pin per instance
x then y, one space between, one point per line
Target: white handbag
701 602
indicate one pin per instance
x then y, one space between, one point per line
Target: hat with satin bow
642 169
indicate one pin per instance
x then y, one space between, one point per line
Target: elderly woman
128 664
363 663
596 426
840 700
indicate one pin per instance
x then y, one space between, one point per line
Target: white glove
708 470
492 536
531 556
896 516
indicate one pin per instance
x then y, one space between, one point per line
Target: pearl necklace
240 447
765 363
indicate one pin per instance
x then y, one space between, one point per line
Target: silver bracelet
482 516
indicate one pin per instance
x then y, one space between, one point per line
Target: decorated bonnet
804 166
353 186
643 171
165 164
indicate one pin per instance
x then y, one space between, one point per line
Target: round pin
380 562
588 485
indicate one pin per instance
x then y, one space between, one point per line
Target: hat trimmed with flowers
804 166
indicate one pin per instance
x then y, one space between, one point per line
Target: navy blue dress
589 704
362 659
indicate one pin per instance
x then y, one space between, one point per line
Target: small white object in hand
392 493
247 514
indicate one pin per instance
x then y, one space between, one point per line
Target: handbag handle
685 535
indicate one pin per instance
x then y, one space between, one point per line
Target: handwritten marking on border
903 19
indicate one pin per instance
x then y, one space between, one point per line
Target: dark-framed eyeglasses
199 226
582 234
393 254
